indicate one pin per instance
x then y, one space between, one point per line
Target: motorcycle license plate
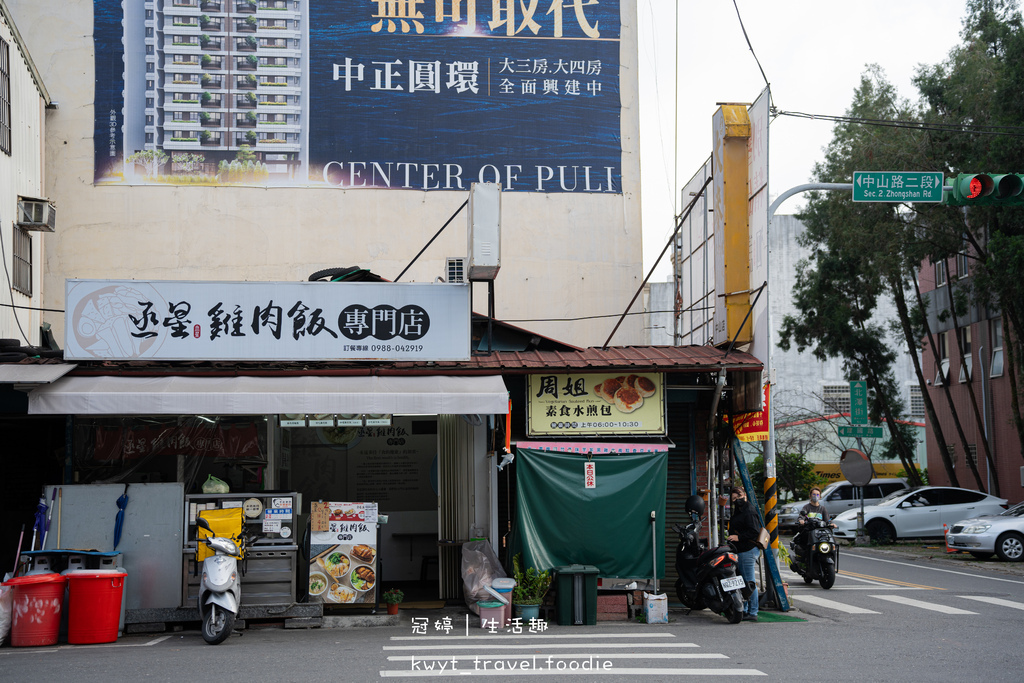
733 583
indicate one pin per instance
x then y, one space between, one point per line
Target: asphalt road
892 615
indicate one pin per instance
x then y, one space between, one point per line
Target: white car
840 496
918 512
1002 534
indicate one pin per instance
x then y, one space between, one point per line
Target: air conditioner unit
36 214
456 269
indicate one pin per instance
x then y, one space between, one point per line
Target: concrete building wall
565 257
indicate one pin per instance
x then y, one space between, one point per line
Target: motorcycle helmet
695 504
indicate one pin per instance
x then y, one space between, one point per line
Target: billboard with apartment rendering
402 94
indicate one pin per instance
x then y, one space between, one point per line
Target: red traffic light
975 189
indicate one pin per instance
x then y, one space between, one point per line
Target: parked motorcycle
818 558
220 590
707 576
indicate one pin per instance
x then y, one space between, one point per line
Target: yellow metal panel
731 132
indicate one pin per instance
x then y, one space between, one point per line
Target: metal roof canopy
184 395
33 373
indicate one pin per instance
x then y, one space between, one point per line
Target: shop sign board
266 321
343 567
570 405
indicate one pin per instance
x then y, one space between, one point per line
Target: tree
793 474
853 248
152 159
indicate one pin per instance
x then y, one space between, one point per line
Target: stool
425 565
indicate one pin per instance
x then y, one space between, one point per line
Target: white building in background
807 391
26 217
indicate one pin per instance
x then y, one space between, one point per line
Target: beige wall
563 256
21 174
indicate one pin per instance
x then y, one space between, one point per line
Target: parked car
1002 534
840 496
918 512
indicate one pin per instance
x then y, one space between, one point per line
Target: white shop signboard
250 321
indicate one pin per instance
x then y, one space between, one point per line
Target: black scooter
707 576
817 559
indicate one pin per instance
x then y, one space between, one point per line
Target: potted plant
531 587
392 597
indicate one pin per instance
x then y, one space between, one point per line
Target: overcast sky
813 53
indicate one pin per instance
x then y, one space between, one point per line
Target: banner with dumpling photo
589 404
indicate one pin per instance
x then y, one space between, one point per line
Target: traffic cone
945 536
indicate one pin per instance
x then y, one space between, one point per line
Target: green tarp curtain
561 522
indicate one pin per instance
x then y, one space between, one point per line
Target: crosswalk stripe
631 671
921 604
994 601
832 604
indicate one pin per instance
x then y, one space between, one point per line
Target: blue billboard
361 94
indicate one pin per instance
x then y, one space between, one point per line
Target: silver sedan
1002 534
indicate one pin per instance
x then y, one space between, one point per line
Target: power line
1008 131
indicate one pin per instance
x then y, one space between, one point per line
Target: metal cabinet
271 562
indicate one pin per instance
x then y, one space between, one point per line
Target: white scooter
220 590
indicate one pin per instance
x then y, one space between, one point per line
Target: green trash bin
577 595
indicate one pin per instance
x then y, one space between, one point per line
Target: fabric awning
32 373
184 395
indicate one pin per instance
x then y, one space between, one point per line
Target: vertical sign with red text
590 475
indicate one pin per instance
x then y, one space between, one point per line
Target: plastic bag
480 567
6 610
215 485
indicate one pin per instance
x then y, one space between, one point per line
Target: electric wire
10 288
1007 131
756 60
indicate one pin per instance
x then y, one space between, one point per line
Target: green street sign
897 186
862 431
858 402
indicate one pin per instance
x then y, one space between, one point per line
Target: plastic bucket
492 613
36 609
505 586
94 605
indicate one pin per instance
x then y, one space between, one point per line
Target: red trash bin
94 605
36 609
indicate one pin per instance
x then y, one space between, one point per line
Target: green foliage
245 153
793 474
236 171
147 157
531 585
392 596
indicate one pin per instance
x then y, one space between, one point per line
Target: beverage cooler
271 564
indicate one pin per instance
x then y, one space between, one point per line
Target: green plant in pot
392 597
531 587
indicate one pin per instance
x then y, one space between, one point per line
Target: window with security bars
5 97
456 270
835 398
916 402
972 453
21 278
951 449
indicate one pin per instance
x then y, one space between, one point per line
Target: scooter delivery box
226 523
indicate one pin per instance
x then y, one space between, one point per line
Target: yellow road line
892 582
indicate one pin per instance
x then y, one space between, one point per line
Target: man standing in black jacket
743 530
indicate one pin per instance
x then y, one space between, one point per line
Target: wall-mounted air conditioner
36 214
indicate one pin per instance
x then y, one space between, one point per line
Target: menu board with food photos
343 558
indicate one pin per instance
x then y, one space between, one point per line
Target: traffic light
986 189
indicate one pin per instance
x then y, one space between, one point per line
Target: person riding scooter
813 510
